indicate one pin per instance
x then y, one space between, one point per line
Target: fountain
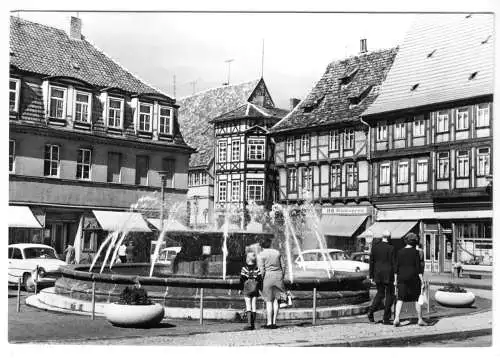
209 260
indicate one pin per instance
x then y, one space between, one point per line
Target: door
431 252
58 236
447 256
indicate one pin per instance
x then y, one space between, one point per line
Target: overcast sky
194 46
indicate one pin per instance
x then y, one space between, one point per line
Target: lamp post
163 177
368 239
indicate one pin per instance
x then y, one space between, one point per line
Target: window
462 164
222 191
51 161
334 142
335 177
349 139
82 107
114 167
57 102
385 174
203 179
483 161
292 180
307 179
443 124
14 85
399 130
422 175
256 149
89 240
483 115
235 148
165 120
305 144
115 112
255 190
141 170
419 128
168 166
83 164
235 191
382 133
145 115
222 152
352 176
290 146
443 165
12 155
462 119
403 172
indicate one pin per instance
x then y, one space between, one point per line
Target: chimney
293 103
75 28
362 46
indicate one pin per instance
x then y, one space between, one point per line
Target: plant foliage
452 287
134 296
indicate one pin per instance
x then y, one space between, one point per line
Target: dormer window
82 107
165 120
115 112
145 115
14 88
349 77
57 102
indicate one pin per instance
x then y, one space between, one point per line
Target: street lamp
163 177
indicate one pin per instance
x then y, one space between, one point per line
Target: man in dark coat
382 263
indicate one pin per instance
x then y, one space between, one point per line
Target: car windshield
337 256
39 253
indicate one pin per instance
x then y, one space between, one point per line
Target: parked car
361 257
167 255
317 260
24 260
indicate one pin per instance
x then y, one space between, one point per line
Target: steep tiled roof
437 59
252 110
49 51
346 89
195 112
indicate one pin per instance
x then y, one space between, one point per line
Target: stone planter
134 315
454 299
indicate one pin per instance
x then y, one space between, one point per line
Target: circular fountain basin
183 291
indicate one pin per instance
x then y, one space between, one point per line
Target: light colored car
167 255
317 260
24 260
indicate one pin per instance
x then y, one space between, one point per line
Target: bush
452 287
134 296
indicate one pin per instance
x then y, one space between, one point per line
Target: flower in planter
134 296
452 287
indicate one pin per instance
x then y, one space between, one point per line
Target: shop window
475 246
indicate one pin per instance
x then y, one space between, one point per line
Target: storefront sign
357 210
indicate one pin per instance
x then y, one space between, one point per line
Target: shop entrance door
447 256
57 236
431 252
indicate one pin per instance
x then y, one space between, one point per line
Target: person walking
382 264
408 277
251 281
270 265
130 251
70 254
122 253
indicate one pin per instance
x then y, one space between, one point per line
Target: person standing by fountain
409 277
122 253
270 265
130 251
382 272
251 280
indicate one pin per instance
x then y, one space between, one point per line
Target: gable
261 96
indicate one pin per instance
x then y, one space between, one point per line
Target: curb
408 340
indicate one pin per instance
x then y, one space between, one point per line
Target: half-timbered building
431 140
322 146
244 153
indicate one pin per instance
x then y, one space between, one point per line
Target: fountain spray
105 242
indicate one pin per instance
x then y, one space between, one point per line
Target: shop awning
22 217
398 229
170 226
429 213
341 225
121 221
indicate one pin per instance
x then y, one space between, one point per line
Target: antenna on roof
262 61
174 86
228 71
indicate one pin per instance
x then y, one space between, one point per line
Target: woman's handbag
422 299
250 286
285 299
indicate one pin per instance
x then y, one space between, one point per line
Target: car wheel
28 282
357 269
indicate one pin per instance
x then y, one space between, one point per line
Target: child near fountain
251 280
